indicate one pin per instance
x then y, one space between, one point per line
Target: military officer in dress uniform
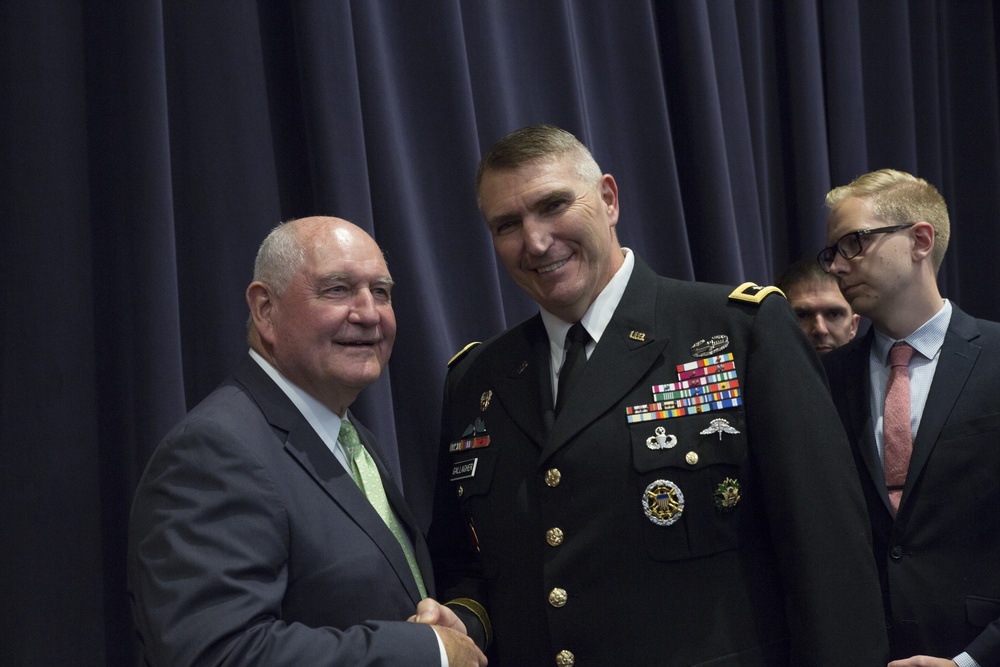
648 471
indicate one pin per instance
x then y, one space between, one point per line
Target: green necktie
367 477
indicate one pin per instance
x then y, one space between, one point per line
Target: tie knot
349 437
577 334
900 354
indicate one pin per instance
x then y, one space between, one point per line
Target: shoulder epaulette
753 292
462 352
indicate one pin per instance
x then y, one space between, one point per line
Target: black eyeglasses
849 245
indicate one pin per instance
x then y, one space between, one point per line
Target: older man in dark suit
670 486
266 529
920 398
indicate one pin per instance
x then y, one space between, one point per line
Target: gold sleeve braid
480 613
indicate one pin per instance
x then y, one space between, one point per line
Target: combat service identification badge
663 502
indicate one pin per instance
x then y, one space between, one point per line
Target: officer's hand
432 612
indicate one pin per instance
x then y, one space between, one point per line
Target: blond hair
898 198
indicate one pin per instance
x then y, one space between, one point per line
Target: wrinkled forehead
526 184
345 251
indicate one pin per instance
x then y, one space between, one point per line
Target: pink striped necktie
896 434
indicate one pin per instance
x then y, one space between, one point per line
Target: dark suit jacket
781 578
939 561
250 544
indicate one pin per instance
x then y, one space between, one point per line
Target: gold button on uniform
691 458
553 477
554 536
557 598
461 490
565 659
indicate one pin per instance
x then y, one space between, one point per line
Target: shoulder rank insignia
462 352
753 292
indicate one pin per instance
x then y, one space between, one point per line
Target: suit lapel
859 415
406 520
958 356
317 461
629 347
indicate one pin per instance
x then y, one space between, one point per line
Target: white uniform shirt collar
595 320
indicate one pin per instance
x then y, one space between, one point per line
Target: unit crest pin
727 494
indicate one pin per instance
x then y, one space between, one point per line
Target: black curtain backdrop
148 146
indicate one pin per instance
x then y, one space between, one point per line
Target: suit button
557 598
691 458
553 477
554 536
896 552
565 659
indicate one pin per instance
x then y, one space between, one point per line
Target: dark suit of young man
939 559
925 433
571 569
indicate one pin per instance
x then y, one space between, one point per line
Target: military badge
663 502
727 494
719 426
661 440
475 437
706 348
704 385
484 400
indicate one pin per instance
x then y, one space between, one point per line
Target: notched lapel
305 446
958 357
524 386
859 422
319 463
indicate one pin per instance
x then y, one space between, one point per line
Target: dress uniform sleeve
812 496
457 570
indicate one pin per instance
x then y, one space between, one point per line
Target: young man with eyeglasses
926 433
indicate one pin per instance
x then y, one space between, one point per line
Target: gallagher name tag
464 469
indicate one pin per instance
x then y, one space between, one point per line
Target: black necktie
576 357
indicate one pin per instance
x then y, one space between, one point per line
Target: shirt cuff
444 653
965 660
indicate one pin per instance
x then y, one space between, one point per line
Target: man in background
266 529
919 396
826 318
649 471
